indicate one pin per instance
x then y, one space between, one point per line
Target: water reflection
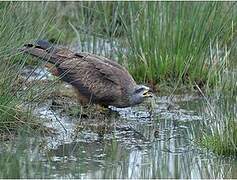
164 148
139 145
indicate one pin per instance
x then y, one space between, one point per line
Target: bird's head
140 93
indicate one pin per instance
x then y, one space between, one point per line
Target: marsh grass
219 130
220 125
172 41
220 133
20 23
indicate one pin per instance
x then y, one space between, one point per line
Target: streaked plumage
97 79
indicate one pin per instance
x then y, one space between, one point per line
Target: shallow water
138 143
135 144
161 147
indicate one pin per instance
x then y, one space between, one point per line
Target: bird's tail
44 50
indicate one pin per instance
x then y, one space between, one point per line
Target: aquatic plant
220 125
221 129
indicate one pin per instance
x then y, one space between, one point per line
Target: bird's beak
148 93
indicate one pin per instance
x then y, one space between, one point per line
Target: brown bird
96 79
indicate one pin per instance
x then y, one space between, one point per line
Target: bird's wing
94 78
110 69
100 58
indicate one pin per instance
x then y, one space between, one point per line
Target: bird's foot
102 109
106 111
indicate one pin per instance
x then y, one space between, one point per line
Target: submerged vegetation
164 44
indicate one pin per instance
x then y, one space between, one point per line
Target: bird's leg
107 111
81 111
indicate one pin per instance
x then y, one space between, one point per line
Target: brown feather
97 79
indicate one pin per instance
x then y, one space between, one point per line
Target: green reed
170 41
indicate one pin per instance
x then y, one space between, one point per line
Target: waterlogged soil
158 139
